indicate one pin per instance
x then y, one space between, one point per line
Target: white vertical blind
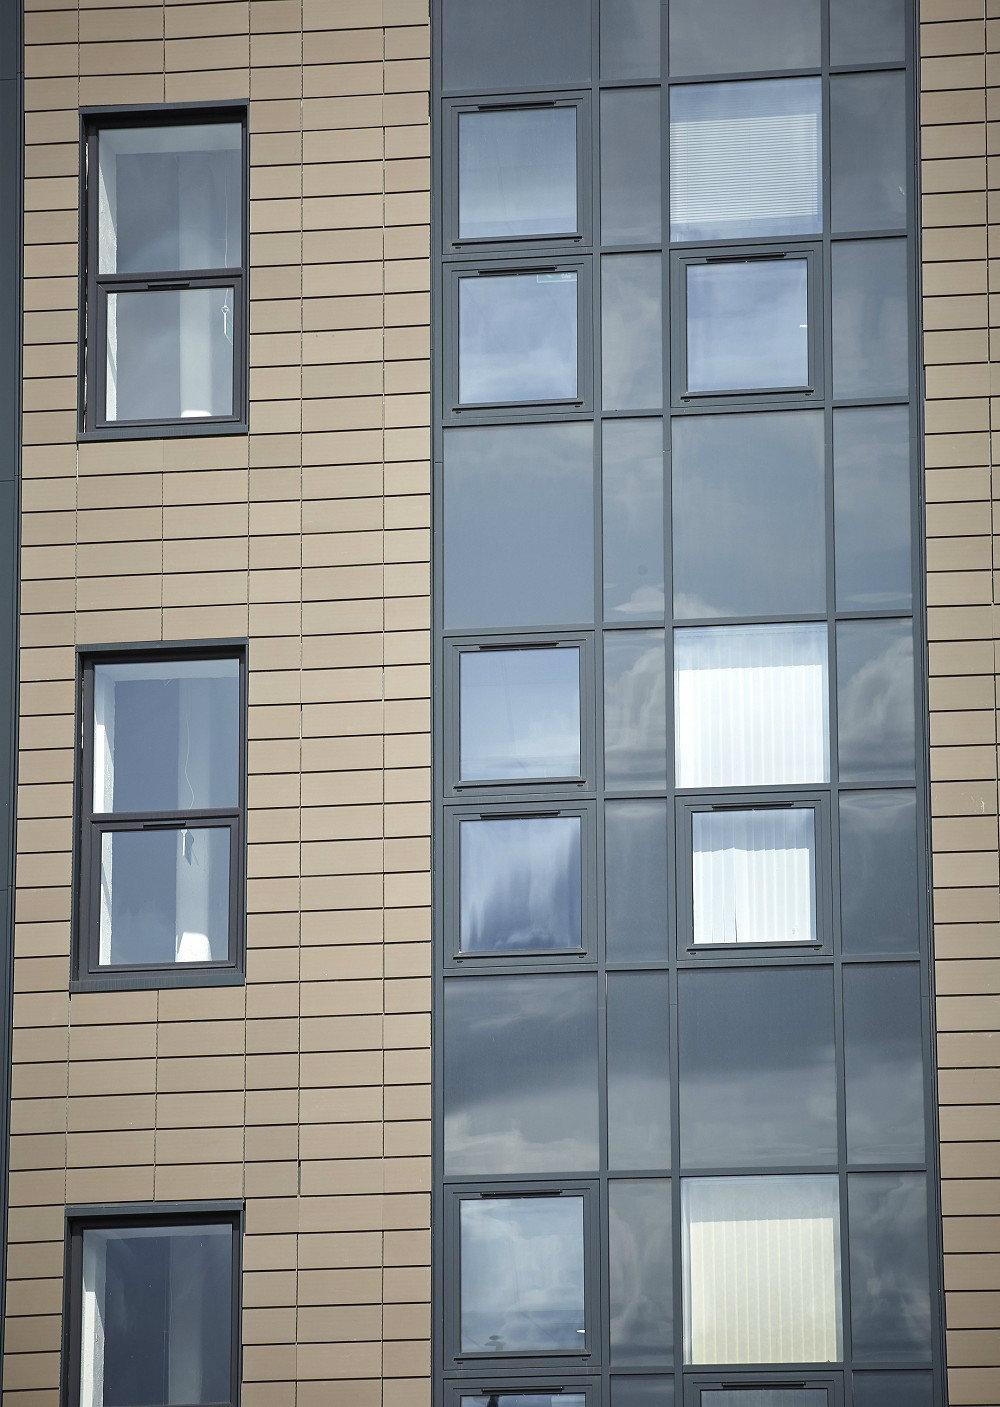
754 876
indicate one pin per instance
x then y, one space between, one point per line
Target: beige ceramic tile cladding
307 1091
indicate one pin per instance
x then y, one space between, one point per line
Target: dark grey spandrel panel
875 707
893 1390
867 31
514 44
642 1392
630 166
743 36
883 1045
878 871
868 114
640 1281
637 890
870 318
630 39
632 487
638 1071
631 323
635 708
890 1278
871 484
10 291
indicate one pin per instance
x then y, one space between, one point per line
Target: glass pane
164 896
521 1269
520 884
632 476
868 151
745 159
517 173
870 318
754 876
632 332
169 354
518 505
638 1071
867 31
878 871
640 1282
765 1397
761 1269
875 703
748 514
520 1074
156 1315
757 1077
890 1275
885 1068
519 714
871 476
893 1390
525 1399
747 325
635 708
514 44
635 851
630 39
170 198
517 338
630 166
166 735
751 705
743 36
642 1392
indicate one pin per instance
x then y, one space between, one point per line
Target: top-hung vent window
164 326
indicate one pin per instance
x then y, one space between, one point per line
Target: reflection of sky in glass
890 1276
865 32
638 1071
521 1268
747 325
893 1389
875 700
635 851
743 36
754 876
765 1397
868 113
878 871
526 1399
632 478
517 338
519 714
517 172
631 332
640 1285
871 480
635 712
885 1067
630 166
520 884
642 1392
870 318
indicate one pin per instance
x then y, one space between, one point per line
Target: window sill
151 981
181 430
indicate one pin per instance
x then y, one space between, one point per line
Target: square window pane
746 159
761 1269
743 36
630 39
890 1269
164 896
517 173
630 166
519 714
632 481
748 325
514 45
632 331
166 735
520 884
635 708
636 893
156 1315
875 700
517 338
640 1282
170 354
754 876
867 31
878 871
870 318
751 705
871 480
893 1390
638 1071
521 1275
868 151
885 1063
170 198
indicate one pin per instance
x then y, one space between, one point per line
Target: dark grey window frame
94 287
697 1383
87 973
485 1386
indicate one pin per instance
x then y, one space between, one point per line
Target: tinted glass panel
518 503
635 847
519 714
870 318
868 151
517 173
747 325
642 1392
875 700
630 39
630 166
526 1399
878 871
517 338
754 876
514 44
632 334
640 1287
638 1071
748 514
632 474
745 159
885 1073
893 1390
521 1267
520 1076
169 354
871 473
757 1081
743 36
635 708
765 1397
520 884
867 31
890 1278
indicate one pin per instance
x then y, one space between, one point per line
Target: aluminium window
522 1392
747 1391
164 323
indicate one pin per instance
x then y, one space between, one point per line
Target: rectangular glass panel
166 735
630 39
520 884
875 703
747 325
890 1272
867 31
885 1063
640 1279
525 1399
518 504
746 159
871 478
642 1392
765 1397
164 896
517 173
638 1071
893 1390
169 354
170 198
751 705
635 708
761 1269
870 318
514 45
632 331
517 338
743 36
878 871
521 1275
632 479
754 876
630 166
868 114
156 1320
635 850
520 1074
519 714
